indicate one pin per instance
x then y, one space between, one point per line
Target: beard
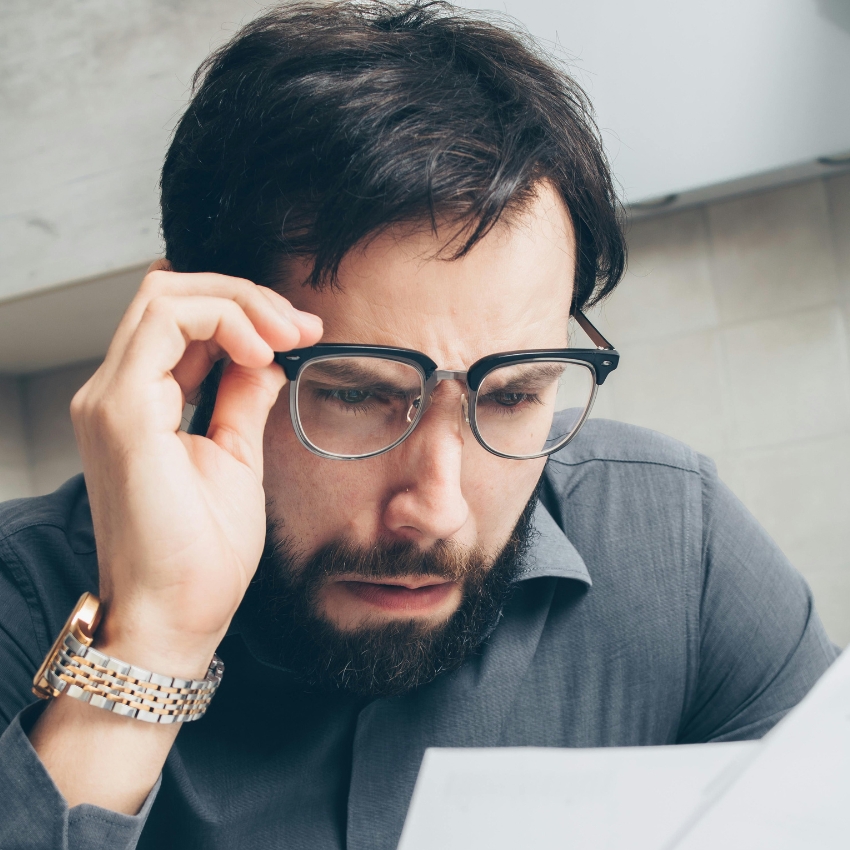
386 659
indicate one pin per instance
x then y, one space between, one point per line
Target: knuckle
251 294
155 281
231 311
159 306
79 404
243 284
84 398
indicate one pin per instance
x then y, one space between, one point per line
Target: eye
510 399
350 396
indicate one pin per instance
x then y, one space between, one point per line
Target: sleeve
762 644
34 815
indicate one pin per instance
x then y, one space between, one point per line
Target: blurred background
728 126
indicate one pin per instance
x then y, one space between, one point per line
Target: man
389 540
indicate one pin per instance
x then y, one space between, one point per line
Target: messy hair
319 125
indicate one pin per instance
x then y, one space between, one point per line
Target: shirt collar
551 553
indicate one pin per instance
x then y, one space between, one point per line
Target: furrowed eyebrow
358 375
536 374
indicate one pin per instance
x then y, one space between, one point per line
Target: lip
406 595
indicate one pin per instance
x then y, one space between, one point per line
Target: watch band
75 668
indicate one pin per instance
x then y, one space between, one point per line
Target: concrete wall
733 325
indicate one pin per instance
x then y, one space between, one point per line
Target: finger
309 324
195 365
201 356
262 305
170 325
245 397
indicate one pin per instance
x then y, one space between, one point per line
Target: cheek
497 490
310 495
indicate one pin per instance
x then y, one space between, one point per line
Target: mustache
445 559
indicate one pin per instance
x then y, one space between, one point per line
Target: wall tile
838 195
676 387
801 495
667 289
789 378
772 253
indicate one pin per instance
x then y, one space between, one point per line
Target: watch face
81 624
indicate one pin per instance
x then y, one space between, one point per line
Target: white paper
635 798
795 793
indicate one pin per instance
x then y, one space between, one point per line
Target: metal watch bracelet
73 667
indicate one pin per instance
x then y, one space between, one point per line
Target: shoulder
604 441
47 553
62 517
630 495
57 510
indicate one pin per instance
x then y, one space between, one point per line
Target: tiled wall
733 325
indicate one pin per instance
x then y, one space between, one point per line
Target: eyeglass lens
533 407
352 406
357 405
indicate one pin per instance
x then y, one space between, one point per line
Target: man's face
440 487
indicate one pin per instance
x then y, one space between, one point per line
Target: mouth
408 595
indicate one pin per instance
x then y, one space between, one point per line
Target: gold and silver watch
75 668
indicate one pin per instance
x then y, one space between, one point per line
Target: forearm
98 757
35 815
102 758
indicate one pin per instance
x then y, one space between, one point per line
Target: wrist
78 669
169 653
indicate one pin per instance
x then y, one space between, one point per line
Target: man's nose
427 503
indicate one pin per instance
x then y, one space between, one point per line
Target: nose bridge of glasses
446 375
439 375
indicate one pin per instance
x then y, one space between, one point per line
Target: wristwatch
75 668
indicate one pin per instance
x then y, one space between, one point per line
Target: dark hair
320 124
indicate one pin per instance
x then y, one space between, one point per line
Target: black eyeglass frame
601 361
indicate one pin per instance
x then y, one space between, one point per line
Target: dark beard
392 658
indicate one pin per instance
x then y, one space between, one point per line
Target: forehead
511 291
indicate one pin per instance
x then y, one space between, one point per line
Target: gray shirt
653 610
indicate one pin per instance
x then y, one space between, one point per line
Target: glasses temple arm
595 337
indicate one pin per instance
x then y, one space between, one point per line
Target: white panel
693 94
64 325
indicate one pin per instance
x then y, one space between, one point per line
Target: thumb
245 397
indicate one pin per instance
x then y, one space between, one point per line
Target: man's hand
179 520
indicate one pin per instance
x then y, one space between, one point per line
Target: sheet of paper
634 798
795 793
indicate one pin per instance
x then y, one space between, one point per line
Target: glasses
350 402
